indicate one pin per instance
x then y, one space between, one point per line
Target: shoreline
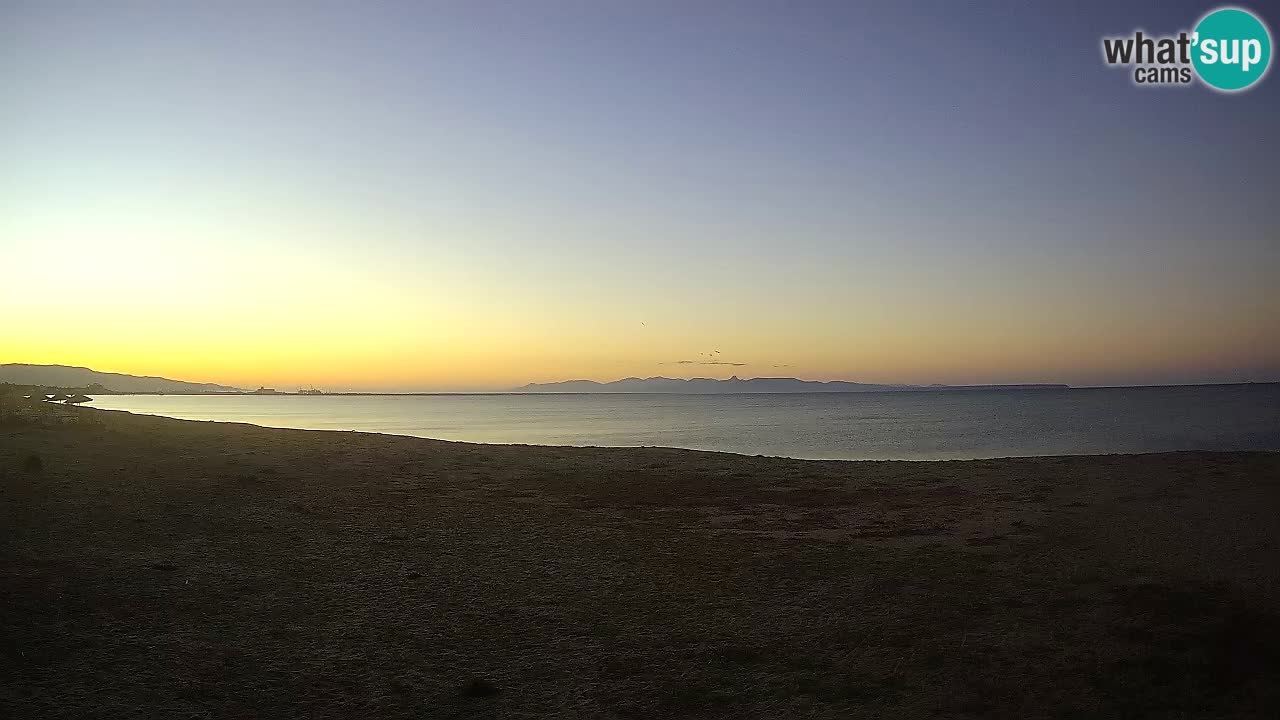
931 447
162 567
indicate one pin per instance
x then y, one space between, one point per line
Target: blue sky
889 192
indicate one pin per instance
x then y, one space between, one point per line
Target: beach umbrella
77 399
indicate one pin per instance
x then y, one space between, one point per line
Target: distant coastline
925 390
94 381
734 385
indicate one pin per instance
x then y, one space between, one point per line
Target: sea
934 425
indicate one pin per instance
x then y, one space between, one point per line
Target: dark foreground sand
167 569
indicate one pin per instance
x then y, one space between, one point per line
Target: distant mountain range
65 376
751 385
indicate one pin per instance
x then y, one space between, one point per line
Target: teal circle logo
1231 49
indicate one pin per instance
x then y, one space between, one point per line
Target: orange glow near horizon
305 336
339 322
334 320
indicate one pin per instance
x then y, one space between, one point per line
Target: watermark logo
1229 50
1234 49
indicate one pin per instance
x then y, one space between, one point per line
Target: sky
476 195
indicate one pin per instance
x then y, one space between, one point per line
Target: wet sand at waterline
152 567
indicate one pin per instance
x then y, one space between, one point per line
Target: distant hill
750 385
68 377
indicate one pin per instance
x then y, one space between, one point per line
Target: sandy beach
161 568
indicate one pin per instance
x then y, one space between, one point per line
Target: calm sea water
933 425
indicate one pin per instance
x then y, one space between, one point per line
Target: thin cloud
704 362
